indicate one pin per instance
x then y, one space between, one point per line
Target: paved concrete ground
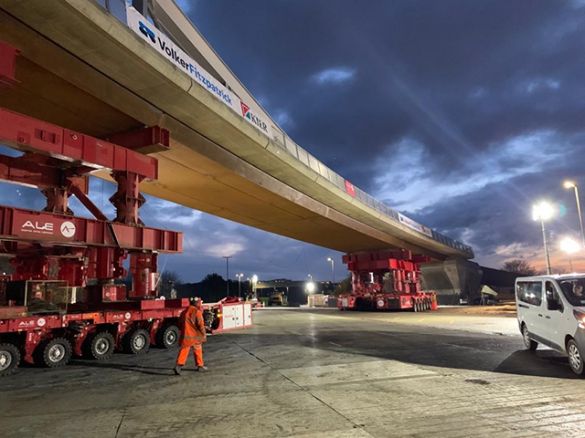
314 374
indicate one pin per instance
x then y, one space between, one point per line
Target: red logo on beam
350 189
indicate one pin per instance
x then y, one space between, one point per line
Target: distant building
293 290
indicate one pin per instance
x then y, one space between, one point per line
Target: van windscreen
573 289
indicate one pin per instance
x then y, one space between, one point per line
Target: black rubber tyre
137 341
53 353
100 346
576 359
528 343
168 336
9 359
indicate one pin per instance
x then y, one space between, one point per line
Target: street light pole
580 215
543 211
239 284
570 246
548 270
329 259
254 284
227 274
573 185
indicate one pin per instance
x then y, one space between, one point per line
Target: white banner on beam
414 225
174 54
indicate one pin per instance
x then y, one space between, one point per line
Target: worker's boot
201 368
177 370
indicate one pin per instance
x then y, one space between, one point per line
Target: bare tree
519 266
344 286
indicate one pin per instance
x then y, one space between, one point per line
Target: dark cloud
497 220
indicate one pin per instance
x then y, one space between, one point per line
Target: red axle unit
386 280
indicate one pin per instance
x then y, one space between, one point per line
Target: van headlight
580 316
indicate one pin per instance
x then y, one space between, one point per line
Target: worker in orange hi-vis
193 335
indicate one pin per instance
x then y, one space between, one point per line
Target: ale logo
68 229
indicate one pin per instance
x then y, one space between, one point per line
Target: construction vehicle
386 280
65 294
278 298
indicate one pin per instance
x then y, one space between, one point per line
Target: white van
551 311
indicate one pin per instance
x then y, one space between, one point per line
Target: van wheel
575 358
528 343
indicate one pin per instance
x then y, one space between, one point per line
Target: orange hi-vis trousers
197 353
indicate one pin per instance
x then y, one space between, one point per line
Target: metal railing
288 145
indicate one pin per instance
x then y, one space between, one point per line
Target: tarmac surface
314 373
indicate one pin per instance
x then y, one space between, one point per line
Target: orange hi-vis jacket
192 327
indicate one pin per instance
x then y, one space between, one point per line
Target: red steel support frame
143 140
19 225
50 245
8 56
28 134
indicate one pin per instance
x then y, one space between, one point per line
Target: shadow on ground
501 354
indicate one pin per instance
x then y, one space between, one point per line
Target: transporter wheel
53 353
528 343
576 360
168 336
137 341
9 359
101 346
415 306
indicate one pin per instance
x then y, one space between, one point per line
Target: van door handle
547 317
540 314
524 306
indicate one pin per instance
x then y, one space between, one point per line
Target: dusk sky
460 114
